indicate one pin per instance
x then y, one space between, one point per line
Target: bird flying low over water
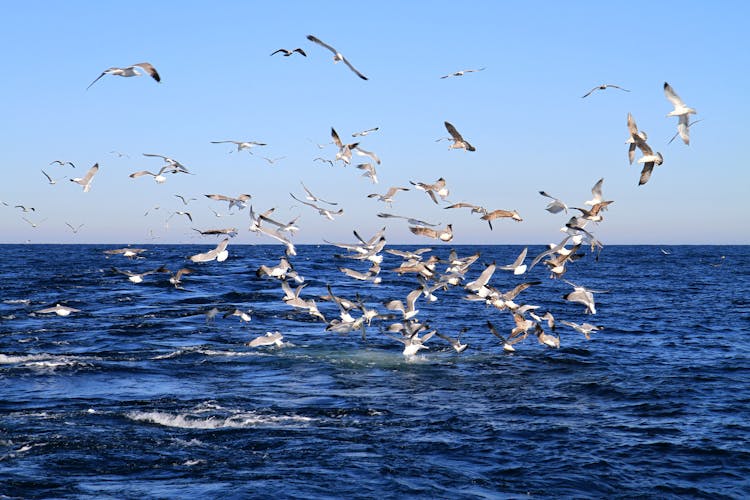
681 111
58 309
287 52
458 141
336 55
129 71
499 214
602 87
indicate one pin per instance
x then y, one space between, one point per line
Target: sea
151 390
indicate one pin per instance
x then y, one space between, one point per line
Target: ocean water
141 395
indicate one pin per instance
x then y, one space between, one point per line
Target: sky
523 113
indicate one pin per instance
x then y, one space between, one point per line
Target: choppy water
138 395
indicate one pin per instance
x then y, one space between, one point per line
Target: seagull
58 309
369 171
176 278
312 197
322 211
130 71
518 267
475 209
462 72
62 163
240 200
74 229
507 343
365 132
185 201
174 165
442 235
273 161
649 160
229 231
414 343
555 206
438 188
408 311
345 150
179 212
597 192
585 328
336 55
681 111
130 253
242 144
33 224
370 154
410 220
220 253
287 52
270 338
455 343
243 315
388 196
498 214
85 181
635 135
158 177
25 209
602 87
138 277
583 296
458 140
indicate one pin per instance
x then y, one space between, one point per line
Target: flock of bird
398 318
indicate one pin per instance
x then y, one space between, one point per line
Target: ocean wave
237 421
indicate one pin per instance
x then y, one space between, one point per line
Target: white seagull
602 87
130 71
58 309
85 181
681 111
336 55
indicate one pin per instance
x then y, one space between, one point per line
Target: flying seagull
62 163
242 144
602 87
85 181
365 132
462 72
288 52
336 55
681 111
555 206
129 71
458 141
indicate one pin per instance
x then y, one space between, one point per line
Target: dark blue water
139 396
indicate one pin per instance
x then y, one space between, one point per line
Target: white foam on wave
237 421
204 351
43 361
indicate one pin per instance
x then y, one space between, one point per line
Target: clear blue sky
523 113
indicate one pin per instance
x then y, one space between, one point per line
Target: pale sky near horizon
523 113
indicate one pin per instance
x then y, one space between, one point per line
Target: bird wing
97 79
336 138
453 132
589 92
93 170
353 68
672 96
648 167
148 68
321 43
